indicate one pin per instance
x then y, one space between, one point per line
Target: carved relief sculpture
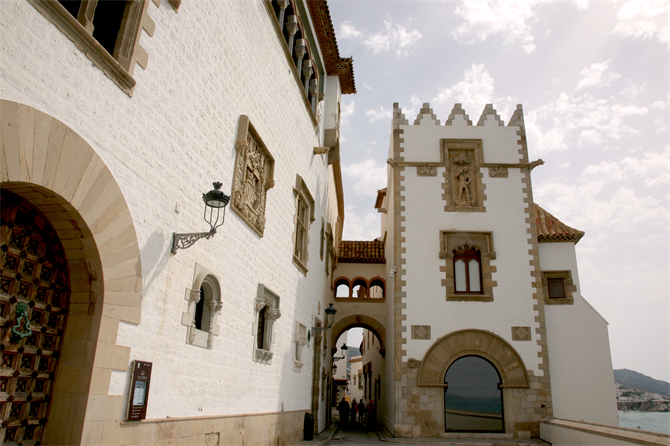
253 176
463 187
426 171
498 172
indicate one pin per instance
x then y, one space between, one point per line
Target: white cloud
347 110
368 87
552 126
645 19
395 37
357 227
474 91
581 4
378 115
506 18
596 74
366 176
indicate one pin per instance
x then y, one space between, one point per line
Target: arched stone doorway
46 163
487 346
362 321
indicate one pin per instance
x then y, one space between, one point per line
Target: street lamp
215 201
344 351
330 318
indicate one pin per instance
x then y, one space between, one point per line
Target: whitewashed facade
117 152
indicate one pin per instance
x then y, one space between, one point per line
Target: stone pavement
357 435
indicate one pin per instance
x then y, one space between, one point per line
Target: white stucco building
111 132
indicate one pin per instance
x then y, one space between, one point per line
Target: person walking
354 410
343 409
361 411
370 413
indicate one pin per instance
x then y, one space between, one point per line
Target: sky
593 81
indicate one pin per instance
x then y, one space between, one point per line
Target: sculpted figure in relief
464 180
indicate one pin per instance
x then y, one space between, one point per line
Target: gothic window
105 30
298 50
557 287
204 306
253 176
267 312
468 270
304 216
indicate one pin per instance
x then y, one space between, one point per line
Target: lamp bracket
320 329
186 240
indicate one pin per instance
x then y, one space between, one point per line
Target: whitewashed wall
208 64
580 362
505 216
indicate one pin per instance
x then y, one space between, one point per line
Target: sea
647 421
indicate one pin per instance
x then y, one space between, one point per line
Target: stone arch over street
48 164
364 321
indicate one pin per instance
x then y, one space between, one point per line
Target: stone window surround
202 338
300 342
301 192
246 131
568 286
265 298
118 68
483 241
315 92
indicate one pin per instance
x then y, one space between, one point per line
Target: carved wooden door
34 296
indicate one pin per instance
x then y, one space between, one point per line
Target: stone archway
483 343
45 162
363 321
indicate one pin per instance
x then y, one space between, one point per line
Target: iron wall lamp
330 318
344 353
215 201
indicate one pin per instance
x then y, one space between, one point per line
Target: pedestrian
354 410
369 413
343 408
361 411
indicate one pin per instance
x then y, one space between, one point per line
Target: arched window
342 288
473 398
468 270
204 306
267 307
377 289
360 289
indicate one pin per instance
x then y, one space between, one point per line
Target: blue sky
593 80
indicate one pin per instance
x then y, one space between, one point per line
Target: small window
304 216
300 343
267 311
557 287
467 270
204 306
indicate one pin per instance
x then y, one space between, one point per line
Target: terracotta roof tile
551 229
361 252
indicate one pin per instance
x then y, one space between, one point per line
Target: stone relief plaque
253 176
420 331
498 172
426 171
463 187
521 333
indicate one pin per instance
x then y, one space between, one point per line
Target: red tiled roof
343 67
551 229
361 252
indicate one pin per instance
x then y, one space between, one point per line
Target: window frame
206 289
467 254
482 241
568 287
304 210
118 67
266 304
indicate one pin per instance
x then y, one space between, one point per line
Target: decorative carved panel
521 333
498 172
253 176
463 187
426 171
420 331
